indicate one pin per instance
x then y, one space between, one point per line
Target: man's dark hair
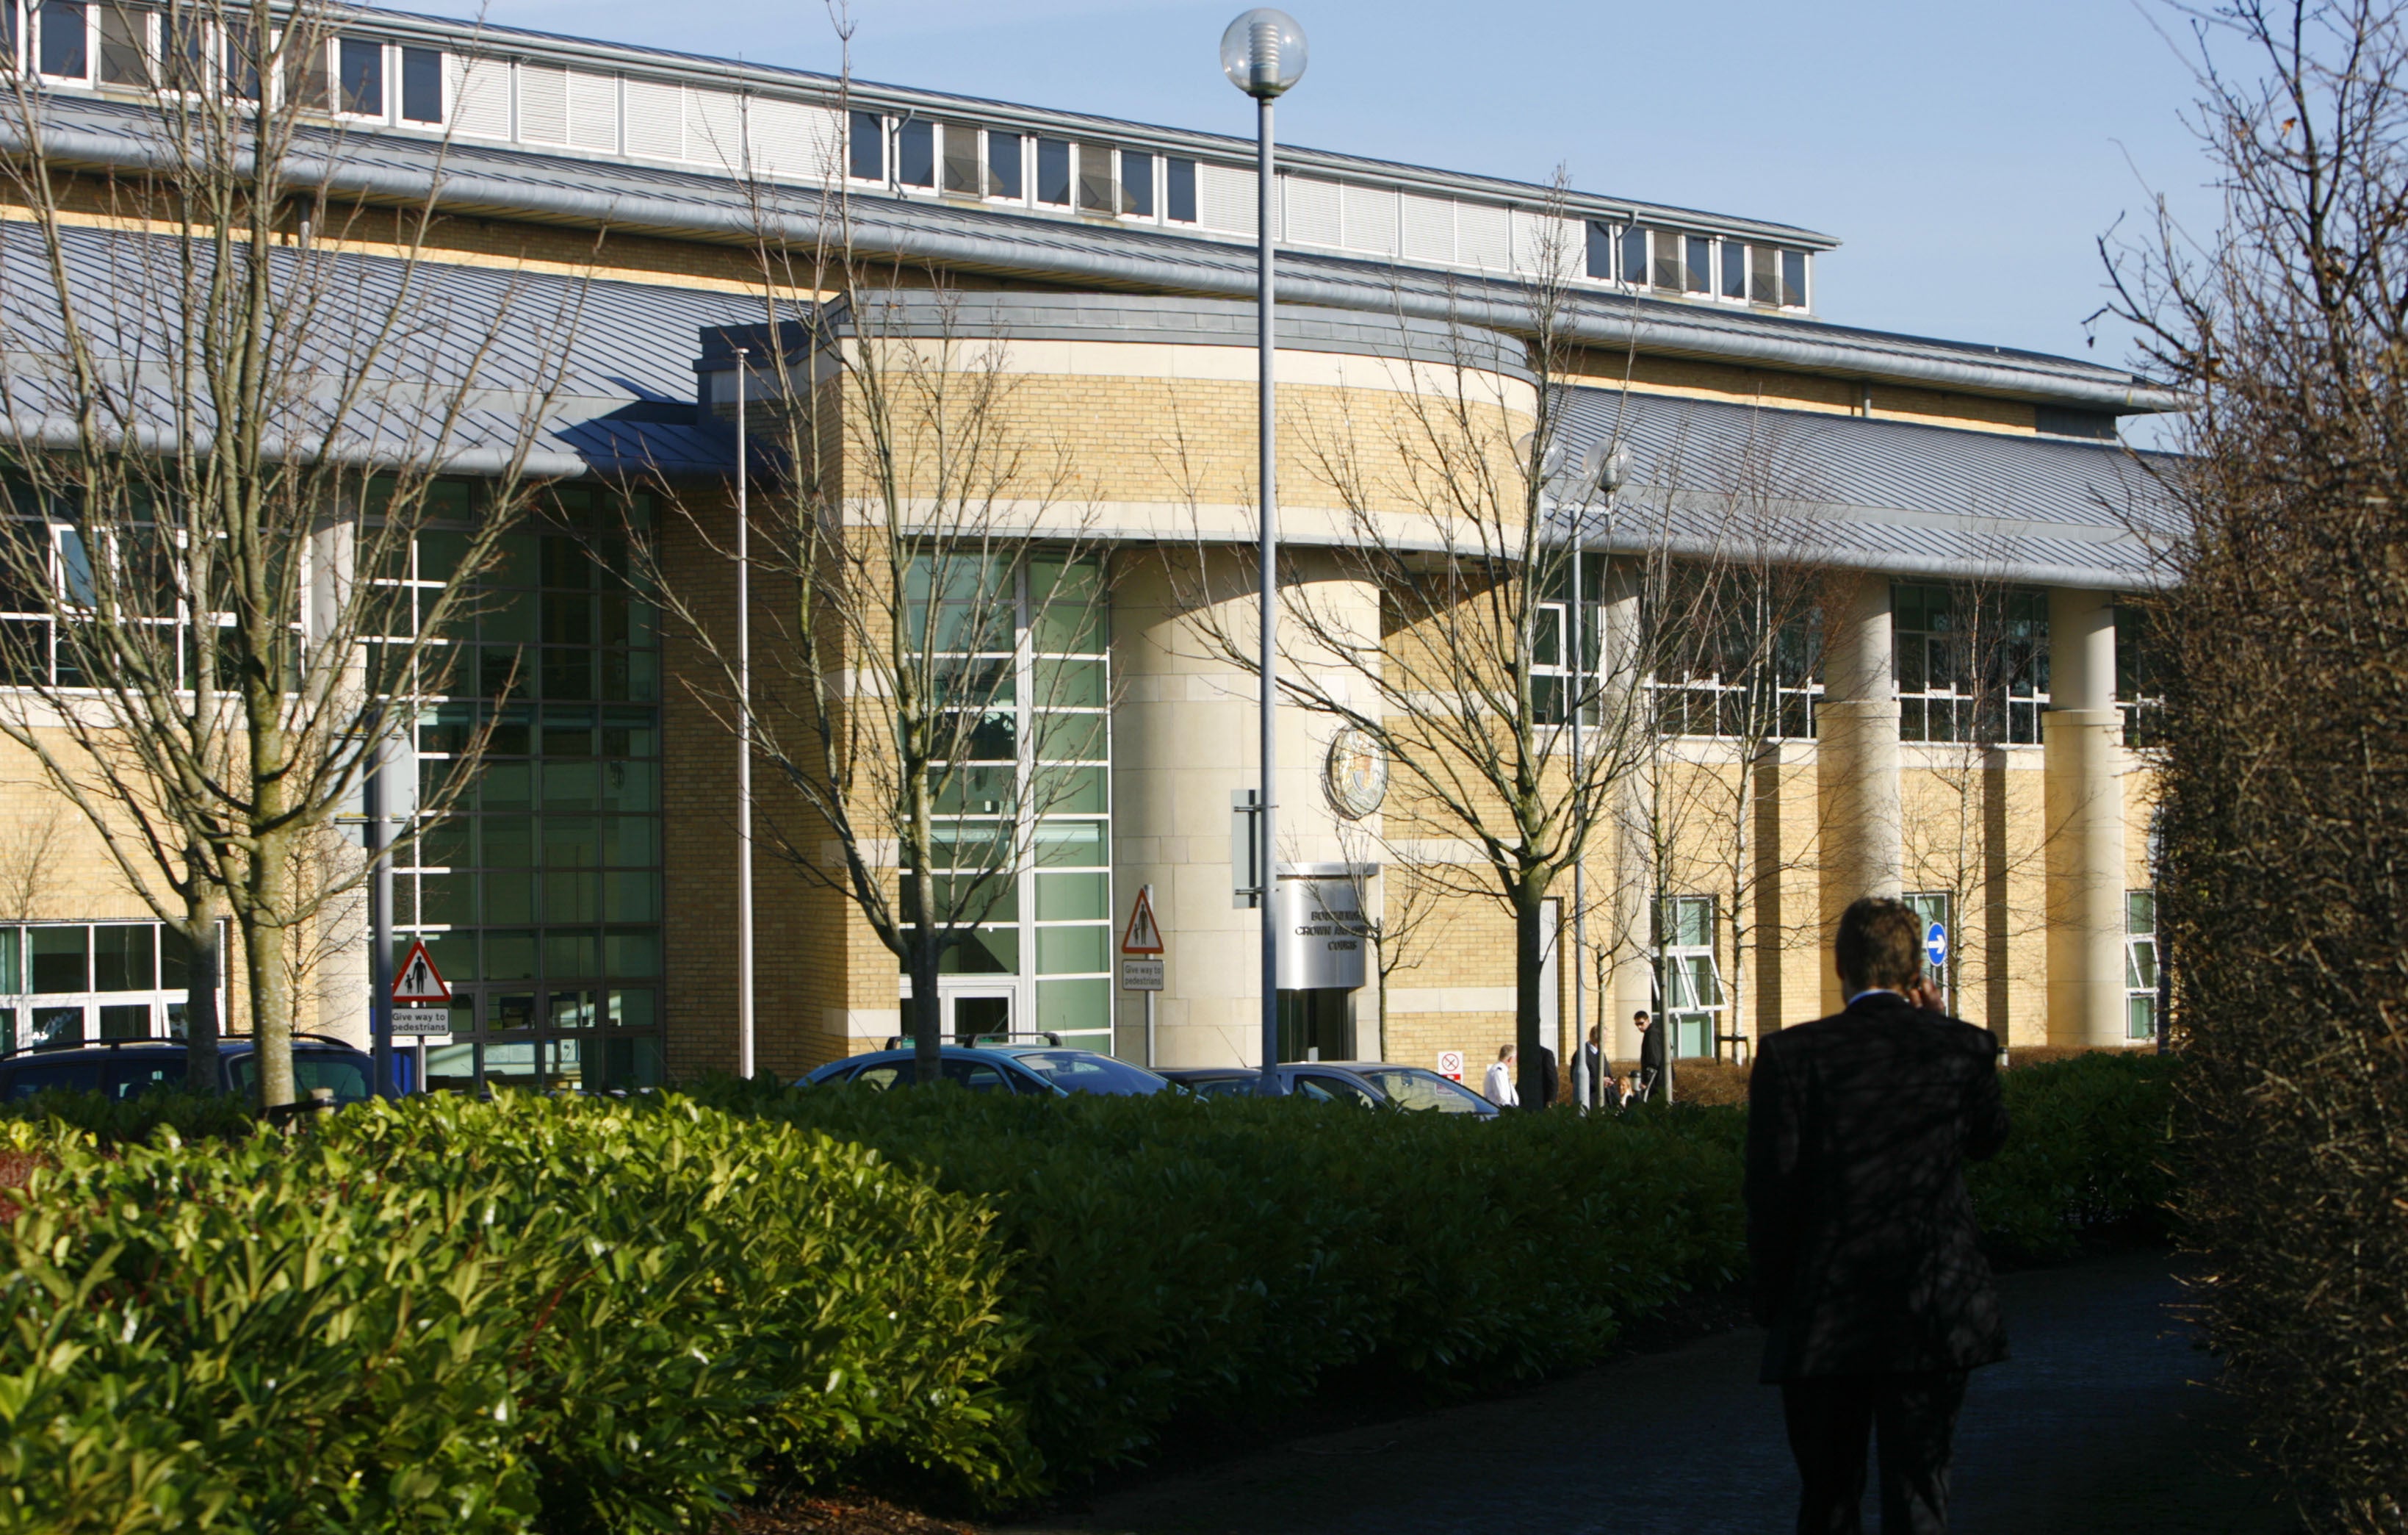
1880 944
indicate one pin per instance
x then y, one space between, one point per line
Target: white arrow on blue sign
1935 944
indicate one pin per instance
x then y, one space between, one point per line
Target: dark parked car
1370 1084
128 1068
1040 1069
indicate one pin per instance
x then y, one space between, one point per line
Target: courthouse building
581 901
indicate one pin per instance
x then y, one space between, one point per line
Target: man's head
1505 1053
1880 946
1594 1031
1640 1018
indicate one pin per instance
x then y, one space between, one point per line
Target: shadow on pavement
2096 1423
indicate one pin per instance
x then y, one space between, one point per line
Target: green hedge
570 1314
458 1316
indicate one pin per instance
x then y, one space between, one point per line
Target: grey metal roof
515 184
615 358
1708 476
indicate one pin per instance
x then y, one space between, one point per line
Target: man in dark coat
1651 1055
1861 1231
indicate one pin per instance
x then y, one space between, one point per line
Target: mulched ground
848 1515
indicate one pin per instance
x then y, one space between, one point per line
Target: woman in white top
1499 1088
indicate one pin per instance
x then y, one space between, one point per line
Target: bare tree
225 438
1740 617
1452 510
931 585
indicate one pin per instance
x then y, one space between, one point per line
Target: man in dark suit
1651 1055
1861 1231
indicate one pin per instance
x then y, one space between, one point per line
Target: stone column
1183 740
2083 736
1863 836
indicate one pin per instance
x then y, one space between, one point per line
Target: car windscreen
978 1076
1410 1088
1084 1071
311 1068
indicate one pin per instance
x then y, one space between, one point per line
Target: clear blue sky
1968 156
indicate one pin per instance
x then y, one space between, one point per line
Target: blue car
130 1068
1039 1071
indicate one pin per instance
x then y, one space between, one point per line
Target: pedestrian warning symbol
1142 937
418 979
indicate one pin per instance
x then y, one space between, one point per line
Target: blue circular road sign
1935 944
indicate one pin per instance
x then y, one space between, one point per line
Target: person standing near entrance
1596 1090
1498 1089
1867 1266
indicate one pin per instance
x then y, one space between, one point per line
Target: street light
1602 469
1263 55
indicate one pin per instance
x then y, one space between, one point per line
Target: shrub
1181 1257
2091 1148
476 1316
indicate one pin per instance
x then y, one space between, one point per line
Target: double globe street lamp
1263 54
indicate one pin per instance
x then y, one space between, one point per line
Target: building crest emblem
1355 773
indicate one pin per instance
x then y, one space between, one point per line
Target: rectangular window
1734 269
1179 191
1764 269
1054 172
421 85
867 151
124 45
1971 664
1634 254
1003 164
1692 979
1669 273
1698 277
360 70
962 159
1600 250
1793 279
59 41
2140 965
1096 190
915 153
1136 183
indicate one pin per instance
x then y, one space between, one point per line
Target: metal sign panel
1143 936
1245 849
1322 937
417 980
1142 975
1935 944
419 1021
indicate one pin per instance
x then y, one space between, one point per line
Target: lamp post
744 1063
1600 469
1263 54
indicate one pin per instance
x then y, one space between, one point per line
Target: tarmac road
2096 1423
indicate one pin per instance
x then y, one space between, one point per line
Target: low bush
455 1315
1218 1258
2091 1149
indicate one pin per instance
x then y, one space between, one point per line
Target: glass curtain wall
77 982
1043 753
539 896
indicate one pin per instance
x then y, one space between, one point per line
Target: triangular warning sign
418 979
1143 936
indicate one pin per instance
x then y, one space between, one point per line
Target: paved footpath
2095 1425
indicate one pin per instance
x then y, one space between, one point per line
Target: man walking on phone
1867 1265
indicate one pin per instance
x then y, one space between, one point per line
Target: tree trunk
271 992
1529 969
927 1004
